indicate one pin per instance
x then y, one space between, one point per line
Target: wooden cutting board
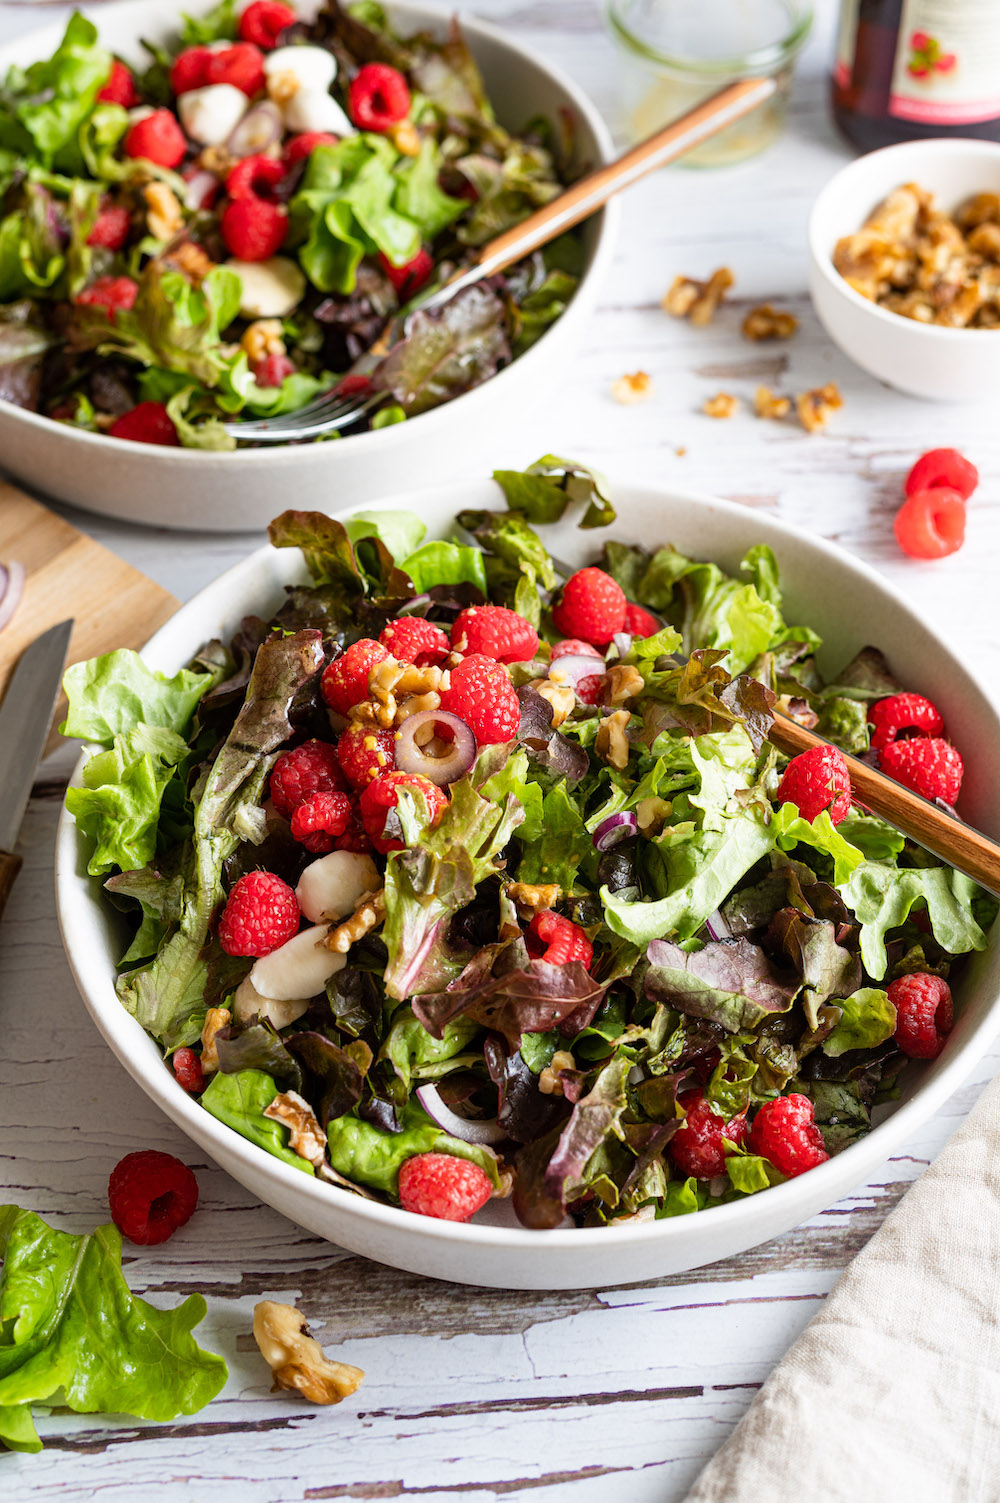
68 574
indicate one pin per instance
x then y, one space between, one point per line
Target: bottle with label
911 68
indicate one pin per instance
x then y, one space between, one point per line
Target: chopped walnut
982 208
282 87
652 814
306 1137
985 241
164 218
562 697
814 407
766 322
722 405
532 897
390 684
193 260
549 1082
611 742
634 388
698 301
217 159
369 912
405 137
261 338
215 1018
296 1359
767 404
624 682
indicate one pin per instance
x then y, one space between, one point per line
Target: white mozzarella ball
333 886
270 289
210 115
314 109
311 67
300 967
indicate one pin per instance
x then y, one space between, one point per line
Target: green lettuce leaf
216 25
363 1153
543 491
561 844
869 1018
118 808
413 1052
881 897
111 695
43 107
446 351
749 1173
790 829
402 532
445 564
239 1100
731 982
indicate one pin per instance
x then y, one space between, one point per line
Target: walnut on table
768 404
296 1359
636 387
722 405
765 322
697 301
814 407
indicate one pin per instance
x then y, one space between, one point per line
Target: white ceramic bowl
237 492
850 605
925 360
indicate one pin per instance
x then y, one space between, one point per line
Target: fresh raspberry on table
241 65
302 146
263 21
345 681
931 767
412 639
931 523
557 940
924 1013
365 753
150 1195
156 138
815 780
253 228
696 1147
378 97
318 822
495 632
120 87
271 370
187 1068
261 914
412 275
639 622
903 712
481 694
574 647
945 467
785 1132
254 177
149 423
313 767
111 227
592 607
382 794
189 70
113 294
440 1185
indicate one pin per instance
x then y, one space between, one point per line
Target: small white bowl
242 491
925 360
850 605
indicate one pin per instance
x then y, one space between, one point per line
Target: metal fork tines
326 414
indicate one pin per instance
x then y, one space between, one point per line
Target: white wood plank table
473 1395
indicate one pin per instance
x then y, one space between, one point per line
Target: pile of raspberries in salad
224 229
469 875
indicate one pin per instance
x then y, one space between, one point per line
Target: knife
25 716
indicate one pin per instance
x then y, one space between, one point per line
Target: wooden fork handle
10 865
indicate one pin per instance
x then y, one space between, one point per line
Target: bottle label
847 33
947 69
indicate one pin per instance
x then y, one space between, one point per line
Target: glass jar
679 52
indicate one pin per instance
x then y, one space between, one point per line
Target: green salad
466 869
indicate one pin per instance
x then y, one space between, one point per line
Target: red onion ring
12 578
717 926
260 128
616 828
573 667
441 768
488 1132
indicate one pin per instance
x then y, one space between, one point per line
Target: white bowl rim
603 254
943 146
948 1072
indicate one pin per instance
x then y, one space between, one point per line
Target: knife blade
25 716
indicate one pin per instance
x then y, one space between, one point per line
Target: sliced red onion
717 926
441 760
260 128
11 590
574 666
616 828
623 643
487 1131
201 189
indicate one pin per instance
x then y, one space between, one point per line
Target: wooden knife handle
10 865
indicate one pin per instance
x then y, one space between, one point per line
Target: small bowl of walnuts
904 253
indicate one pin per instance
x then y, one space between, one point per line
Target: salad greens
723 943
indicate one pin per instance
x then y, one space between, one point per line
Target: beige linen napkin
893 1390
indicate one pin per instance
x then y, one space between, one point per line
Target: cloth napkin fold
893 1390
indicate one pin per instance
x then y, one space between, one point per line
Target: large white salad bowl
850 605
240 492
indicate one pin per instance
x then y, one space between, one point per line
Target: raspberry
189 70
310 768
496 632
411 639
381 795
253 229
260 915
187 1068
696 1147
438 1184
943 467
111 228
378 97
931 767
120 87
592 607
149 423
317 822
639 622
354 837
903 712
815 780
931 524
572 646
241 65
156 138
253 176
924 1014
110 293
272 370
353 386
412 275
556 940
366 753
590 688
345 681
300 147
263 21
483 696
150 1195
785 1132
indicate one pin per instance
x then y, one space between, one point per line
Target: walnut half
766 322
306 1137
632 388
722 405
296 1359
814 407
697 301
